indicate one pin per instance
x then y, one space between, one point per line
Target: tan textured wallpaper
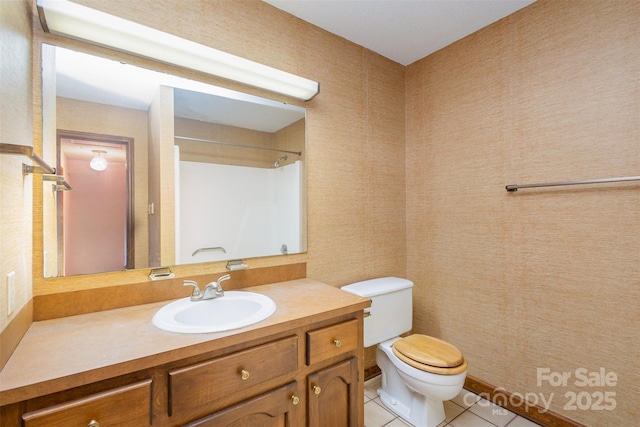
543 279
15 128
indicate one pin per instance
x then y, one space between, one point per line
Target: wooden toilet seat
430 354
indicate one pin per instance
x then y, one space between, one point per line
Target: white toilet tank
391 307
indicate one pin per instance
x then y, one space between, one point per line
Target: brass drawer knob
244 375
93 423
338 343
316 389
295 399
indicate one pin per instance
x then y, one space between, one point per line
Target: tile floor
465 410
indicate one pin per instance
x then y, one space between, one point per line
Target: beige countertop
58 354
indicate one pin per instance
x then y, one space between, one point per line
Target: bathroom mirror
165 171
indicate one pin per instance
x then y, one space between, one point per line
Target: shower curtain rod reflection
230 144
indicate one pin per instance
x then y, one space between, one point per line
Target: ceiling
401 30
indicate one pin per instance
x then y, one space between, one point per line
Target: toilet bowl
414 394
419 372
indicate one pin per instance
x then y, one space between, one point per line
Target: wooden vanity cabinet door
333 395
278 408
123 406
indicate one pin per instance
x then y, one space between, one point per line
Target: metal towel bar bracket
49 173
62 186
216 248
515 187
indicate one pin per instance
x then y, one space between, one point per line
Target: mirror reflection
165 170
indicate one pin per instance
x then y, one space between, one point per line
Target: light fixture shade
98 163
81 22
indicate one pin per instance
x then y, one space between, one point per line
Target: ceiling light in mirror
98 163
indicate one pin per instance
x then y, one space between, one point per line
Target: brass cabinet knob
338 343
316 389
244 375
295 399
93 423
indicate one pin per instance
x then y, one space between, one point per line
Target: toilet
419 372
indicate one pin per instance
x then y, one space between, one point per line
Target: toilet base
423 413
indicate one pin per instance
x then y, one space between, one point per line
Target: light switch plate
11 291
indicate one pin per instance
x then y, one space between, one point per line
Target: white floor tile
398 422
468 419
497 415
375 415
521 422
371 387
465 410
451 410
466 398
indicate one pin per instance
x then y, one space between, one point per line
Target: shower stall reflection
248 211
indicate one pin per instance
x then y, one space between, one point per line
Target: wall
162 179
546 278
16 194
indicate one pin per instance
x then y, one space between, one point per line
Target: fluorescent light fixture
80 22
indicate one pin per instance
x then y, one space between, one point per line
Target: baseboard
11 335
371 372
516 404
505 399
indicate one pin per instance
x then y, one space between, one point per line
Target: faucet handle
196 289
222 279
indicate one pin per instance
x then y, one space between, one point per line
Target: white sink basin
236 309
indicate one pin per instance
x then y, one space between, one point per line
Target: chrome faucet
211 291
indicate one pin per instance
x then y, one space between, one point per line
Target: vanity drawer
123 406
205 382
332 341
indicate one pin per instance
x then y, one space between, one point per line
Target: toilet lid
430 354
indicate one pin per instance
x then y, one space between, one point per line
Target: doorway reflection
94 219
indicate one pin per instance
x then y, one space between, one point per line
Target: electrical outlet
11 291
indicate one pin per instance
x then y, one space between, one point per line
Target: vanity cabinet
302 367
308 376
332 393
